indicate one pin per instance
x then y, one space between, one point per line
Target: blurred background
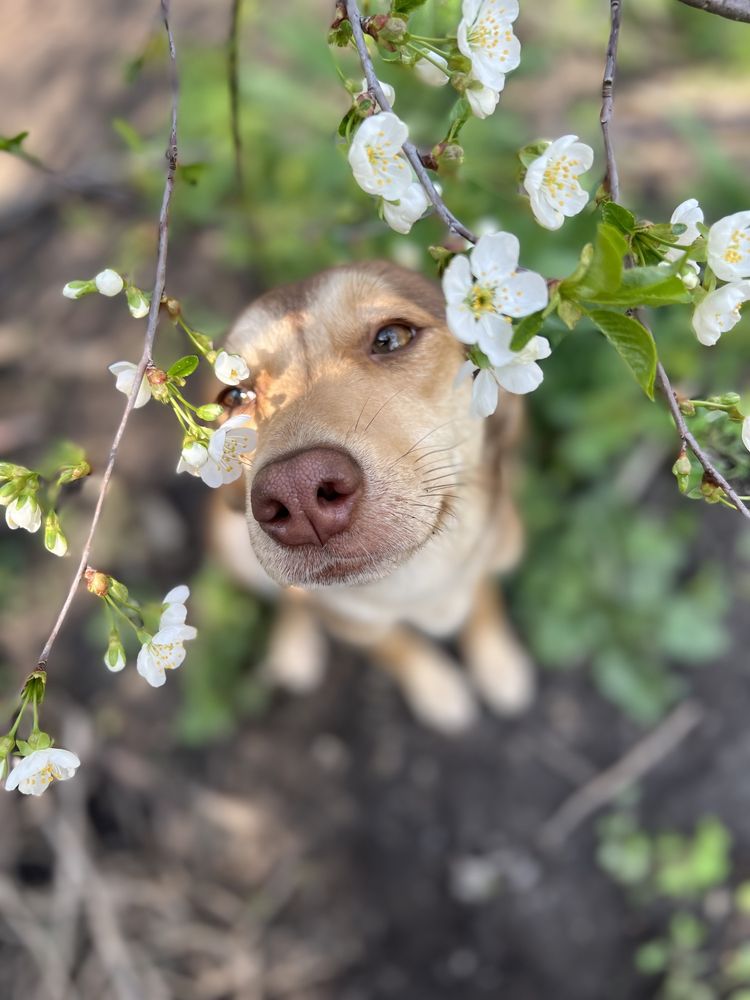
223 840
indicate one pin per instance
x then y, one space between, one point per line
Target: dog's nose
307 499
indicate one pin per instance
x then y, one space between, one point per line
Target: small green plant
685 879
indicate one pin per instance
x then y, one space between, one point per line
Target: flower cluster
38 762
111 283
161 648
484 292
552 184
30 499
728 258
381 169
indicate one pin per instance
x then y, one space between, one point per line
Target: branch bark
148 343
410 151
611 182
733 10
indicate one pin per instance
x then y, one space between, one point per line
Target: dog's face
362 436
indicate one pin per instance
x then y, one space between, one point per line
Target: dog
374 507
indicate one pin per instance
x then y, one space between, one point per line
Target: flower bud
210 411
109 283
426 70
70 473
682 466
690 279
97 583
77 289
114 658
139 302
730 399
395 29
54 539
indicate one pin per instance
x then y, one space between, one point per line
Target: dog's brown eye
392 338
234 396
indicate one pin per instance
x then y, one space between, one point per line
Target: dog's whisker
423 438
381 408
353 430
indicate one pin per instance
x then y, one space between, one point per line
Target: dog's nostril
328 491
280 514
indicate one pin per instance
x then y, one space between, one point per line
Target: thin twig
612 184
410 151
153 320
607 785
733 10
234 90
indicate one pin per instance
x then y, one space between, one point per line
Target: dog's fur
436 517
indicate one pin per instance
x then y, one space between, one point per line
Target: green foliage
184 366
633 342
12 144
673 875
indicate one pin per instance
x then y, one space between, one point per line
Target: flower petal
495 256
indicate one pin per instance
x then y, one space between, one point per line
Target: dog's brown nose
307 499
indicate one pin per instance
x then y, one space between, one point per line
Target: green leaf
191 173
619 217
12 144
184 367
633 342
643 286
528 327
604 273
401 7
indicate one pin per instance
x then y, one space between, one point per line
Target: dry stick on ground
148 343
733 10
607 785
612 184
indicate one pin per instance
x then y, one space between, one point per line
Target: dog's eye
234 396
392 338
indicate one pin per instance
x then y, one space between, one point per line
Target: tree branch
733 10
145 361
410 151
612 184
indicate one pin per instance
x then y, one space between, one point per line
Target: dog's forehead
331 311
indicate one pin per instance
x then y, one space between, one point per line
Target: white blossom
746 432
388 91
109 282
519 374
688 213
174 611
551 181
482 100
138 302
426 70
164 651
402 214
222 463
24 512
375 156
124 372
230 369
485 36
719 311
478 311
34 773
729 247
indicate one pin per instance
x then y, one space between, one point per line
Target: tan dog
374 504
